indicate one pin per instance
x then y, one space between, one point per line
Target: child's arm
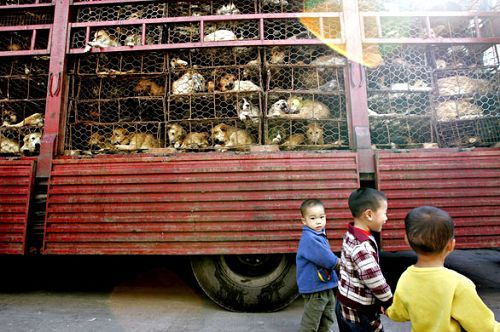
397 310
320 254
471 312
370 274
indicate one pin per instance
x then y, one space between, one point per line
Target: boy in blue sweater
316 264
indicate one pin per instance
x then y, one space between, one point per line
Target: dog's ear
223 127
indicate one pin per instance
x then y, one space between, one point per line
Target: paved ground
158 294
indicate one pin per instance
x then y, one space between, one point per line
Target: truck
197 128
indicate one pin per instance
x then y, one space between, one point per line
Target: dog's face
175 133
195 140
178 63
31 143
96 141
279 108
102 36
314 133
119 136
277 56
9 117
226 82
220 133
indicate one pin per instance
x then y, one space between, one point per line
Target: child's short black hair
310 203
428 229
363 199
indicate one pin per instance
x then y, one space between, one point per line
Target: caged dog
195 140
176 134
149 87
278 109
247 111
190 82
102 39
315 134
301 108
31 143
34 120
97 142
226 136
122 139
220 35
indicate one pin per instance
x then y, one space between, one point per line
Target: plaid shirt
362 286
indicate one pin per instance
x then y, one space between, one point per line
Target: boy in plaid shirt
362 290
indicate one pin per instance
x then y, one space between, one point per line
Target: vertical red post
356 96
56 91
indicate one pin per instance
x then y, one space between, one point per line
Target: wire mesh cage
410 5
26 17
23 87
399 98
467 100
23 40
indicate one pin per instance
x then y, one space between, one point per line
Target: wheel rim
254 270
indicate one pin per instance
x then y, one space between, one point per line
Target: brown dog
195 141
149 87
314 134
176 135
226 82
123 140
307 109
293 140
98 142
230 137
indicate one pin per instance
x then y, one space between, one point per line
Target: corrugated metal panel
16 181
194 203
464 183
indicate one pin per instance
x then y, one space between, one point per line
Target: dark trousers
319 310
364 324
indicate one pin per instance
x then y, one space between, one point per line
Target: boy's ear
368 214
451 245
303 220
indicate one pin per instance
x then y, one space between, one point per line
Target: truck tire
247 283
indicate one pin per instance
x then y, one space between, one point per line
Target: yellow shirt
437 299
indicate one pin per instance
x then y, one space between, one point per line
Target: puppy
278 109
314 134
123 140
176 135
229 137
293 141
189 82
102 39
8 146
226 82
220 35
31 143
149 87
34 120
306 109
195 141
277 56
247 111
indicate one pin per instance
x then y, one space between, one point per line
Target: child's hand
382 310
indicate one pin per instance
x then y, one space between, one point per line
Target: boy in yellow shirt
432 297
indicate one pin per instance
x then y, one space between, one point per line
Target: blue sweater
314 253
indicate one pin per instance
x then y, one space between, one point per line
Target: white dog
278 109
248 111
220 35
189 82
31 143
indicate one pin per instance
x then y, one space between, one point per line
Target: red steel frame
352 37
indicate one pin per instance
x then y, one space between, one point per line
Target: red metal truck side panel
464 183
202 203
16 181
